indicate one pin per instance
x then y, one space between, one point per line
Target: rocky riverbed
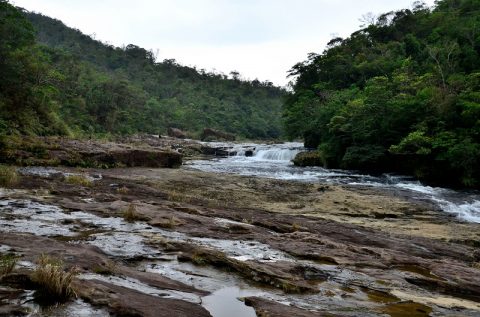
209 244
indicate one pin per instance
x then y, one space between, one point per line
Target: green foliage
414 143
56 80
402 94
27 88
95 88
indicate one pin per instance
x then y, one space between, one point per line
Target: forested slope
57 80
402 94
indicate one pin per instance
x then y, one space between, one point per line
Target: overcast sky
259 38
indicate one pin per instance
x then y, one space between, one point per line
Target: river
275 161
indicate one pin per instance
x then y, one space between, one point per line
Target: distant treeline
56 80
401 94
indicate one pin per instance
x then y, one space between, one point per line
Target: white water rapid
274 161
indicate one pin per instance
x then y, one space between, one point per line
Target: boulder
311 158
212 134
176 133
249 153
146 158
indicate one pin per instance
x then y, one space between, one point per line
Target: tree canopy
401 94
56 80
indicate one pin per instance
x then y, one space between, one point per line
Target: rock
143 158
176 133
265 307
207 150
212 134
13 310
312 158
218 151
123 301
137 150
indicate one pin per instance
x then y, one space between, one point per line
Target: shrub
8 176
54 283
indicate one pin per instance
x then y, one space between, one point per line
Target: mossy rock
312 158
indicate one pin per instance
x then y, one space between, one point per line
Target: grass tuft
79 180
130 214
54 283
122 190
8 176
7 264
108 268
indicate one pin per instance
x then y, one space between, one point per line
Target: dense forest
401 94
56 80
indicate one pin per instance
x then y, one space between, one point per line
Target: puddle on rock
214 280
410 309
201 277
226 303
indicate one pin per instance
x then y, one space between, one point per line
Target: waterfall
276 154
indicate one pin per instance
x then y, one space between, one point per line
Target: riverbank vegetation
56 80
401 94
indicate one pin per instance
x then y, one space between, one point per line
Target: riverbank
198 240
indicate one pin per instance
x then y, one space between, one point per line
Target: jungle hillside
58 81
399 95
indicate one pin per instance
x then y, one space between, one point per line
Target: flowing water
274 161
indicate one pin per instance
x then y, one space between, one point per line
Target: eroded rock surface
299 249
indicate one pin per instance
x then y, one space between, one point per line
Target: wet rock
310 273
122 301
13 311
277 274
264 307
249 152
